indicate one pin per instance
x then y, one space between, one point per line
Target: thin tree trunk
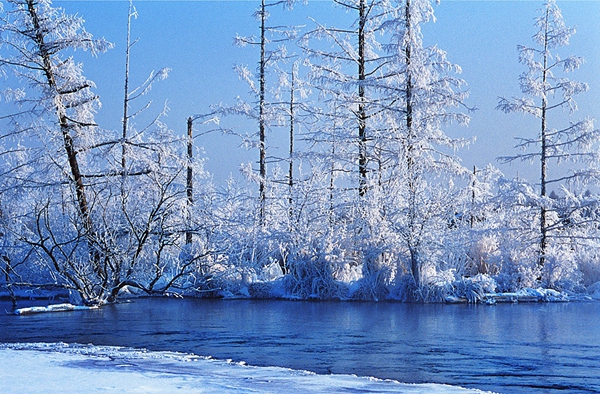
410 163
291 168
126 95
65 126
189 183
362 116
472 218
544 154
261 117
332 168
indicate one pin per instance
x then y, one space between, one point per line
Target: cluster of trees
375 205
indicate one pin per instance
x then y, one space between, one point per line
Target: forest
370 201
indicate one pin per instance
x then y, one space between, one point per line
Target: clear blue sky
195 39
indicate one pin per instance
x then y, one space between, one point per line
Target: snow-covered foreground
64 368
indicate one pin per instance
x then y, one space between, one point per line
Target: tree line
374 205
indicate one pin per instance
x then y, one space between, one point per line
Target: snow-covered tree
343 59
35 38
143 203
92 216
426 96
548 91
265 110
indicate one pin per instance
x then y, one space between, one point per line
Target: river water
506 348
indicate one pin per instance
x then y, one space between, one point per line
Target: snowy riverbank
58 302
64 368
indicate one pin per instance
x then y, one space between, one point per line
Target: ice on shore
52 308
66 368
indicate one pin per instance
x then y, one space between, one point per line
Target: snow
68 368
53 308
530 295
594 291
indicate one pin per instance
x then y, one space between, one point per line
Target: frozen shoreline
66 368
523 296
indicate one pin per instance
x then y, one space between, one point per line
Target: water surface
509 348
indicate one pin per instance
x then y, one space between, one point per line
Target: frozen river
524 348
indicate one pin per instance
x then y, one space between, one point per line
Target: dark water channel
523 348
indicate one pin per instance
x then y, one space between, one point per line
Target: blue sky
195 39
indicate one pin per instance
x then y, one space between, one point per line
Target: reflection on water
524 348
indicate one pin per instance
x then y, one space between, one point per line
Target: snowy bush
560 269
589 266
485 257
518 275
312 277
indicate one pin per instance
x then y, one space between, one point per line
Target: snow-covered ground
66 368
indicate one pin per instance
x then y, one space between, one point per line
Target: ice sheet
65 368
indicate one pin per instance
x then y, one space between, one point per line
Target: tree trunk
261 117
291 168
65 126
362 116
544 153
126 95
189 188
410 161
